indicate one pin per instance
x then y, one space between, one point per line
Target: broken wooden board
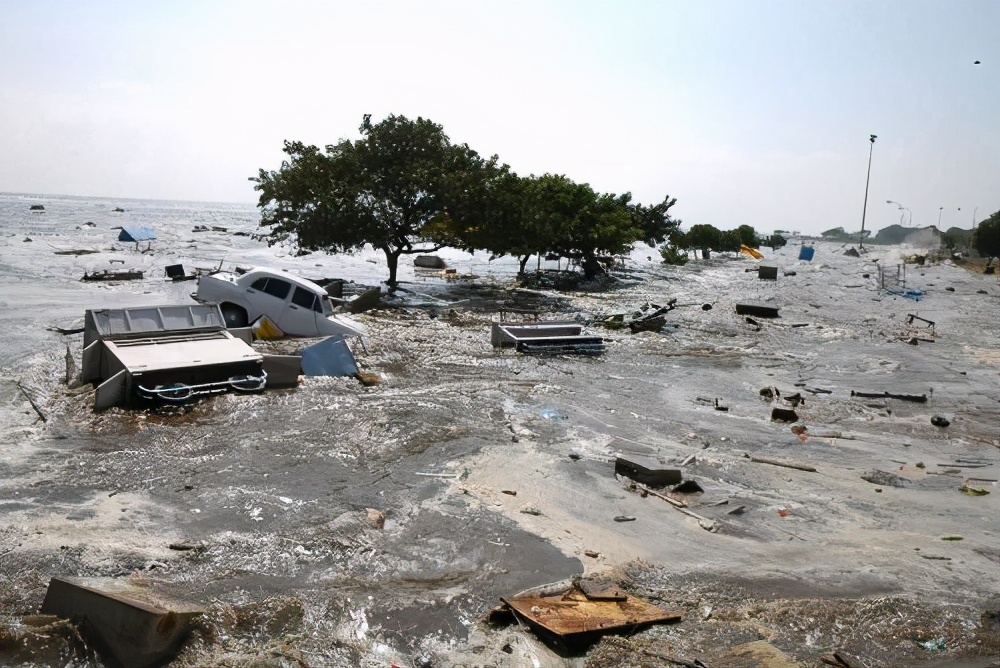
132 624
600 591
781 462
570 613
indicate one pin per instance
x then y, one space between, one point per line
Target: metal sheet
329 357
282 370
111 392
145 320
181 353
571 612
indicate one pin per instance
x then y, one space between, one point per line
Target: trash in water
757 310
565 610
783 415
552 414
329 357
113 276
646 471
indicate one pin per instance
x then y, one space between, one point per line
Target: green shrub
673 256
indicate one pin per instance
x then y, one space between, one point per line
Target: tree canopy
383 189
986 238
404 187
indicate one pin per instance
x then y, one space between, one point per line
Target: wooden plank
781 462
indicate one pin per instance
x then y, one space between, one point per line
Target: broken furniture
125 622
767 273
169 353
175 272
575 610
544 337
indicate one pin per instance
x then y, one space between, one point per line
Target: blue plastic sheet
329 357
136 234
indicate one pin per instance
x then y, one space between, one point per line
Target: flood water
459 440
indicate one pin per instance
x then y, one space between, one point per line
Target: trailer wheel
234 316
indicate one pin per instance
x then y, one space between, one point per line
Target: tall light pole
940 209
901 208
861 236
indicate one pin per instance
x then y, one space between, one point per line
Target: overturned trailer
166 353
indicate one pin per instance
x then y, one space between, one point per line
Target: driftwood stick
677 503
31 401
780 462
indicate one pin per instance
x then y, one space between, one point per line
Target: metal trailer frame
165 353
544 337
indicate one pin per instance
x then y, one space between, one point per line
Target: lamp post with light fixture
902 208
864 211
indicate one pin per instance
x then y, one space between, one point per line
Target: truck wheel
235 316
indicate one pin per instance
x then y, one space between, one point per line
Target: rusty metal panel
571 612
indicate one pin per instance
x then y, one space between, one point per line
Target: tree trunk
522 261
392 260
591 267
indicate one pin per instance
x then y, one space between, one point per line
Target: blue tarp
806 253
136 234
329 357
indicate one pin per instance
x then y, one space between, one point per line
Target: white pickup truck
297 306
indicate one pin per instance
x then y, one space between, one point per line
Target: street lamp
901 208
861 236
940 209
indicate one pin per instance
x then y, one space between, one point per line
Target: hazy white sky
754 112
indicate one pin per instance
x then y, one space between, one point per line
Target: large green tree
390 189
704 237
535 215
986 238
573 220
654 220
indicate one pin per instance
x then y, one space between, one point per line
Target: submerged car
297 306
